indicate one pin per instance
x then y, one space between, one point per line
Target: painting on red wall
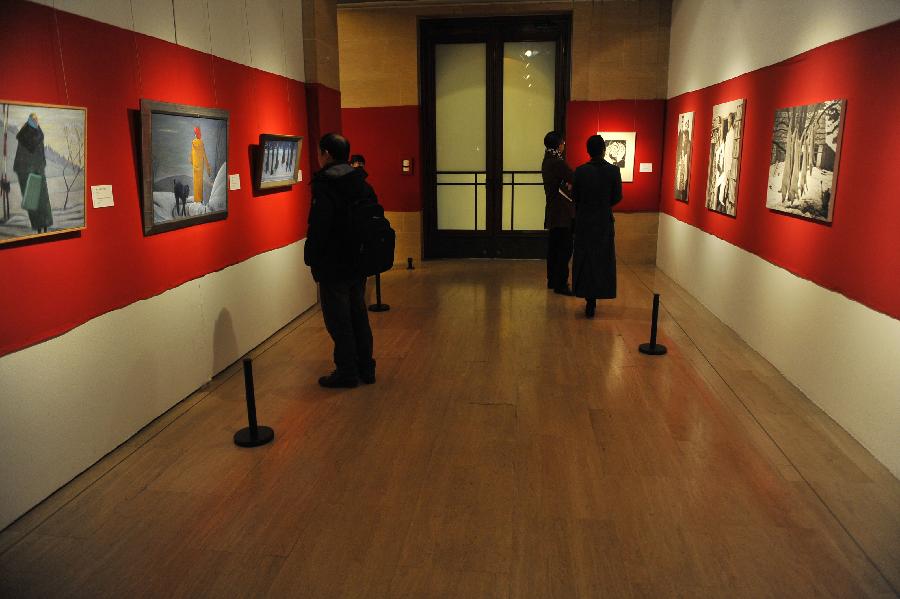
620 152
42 170
725 157
806 147
683 155
279 161
184 152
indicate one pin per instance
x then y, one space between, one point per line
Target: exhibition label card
234 182
646 167
299 176
102 196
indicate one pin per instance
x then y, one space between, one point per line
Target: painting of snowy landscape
280 157
620 152
806 144
725 157
185 152
42 170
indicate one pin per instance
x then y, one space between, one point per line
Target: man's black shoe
563 291
590 308
336 380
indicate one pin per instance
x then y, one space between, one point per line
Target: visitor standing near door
596 188
333 259
558 213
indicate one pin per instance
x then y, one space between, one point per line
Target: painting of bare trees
42 169
683 155
805 155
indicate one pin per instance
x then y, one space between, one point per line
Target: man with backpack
348 238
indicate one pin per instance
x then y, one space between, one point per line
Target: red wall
859 253
57 283
386 136
645 118
324 107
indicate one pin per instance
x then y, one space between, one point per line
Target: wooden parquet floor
510 449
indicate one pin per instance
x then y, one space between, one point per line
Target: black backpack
372 235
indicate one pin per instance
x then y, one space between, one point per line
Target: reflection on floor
510 448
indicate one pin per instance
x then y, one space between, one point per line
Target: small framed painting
279 160
43 164
184 164
683 155
620 152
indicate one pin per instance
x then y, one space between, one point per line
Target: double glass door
492 89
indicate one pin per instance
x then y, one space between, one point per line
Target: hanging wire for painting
212 63
137 53
62 63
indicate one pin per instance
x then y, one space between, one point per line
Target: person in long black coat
558 213
596 188
31 158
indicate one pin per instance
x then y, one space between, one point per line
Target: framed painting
620 152
806 150
184 154
279 160
725 157
42 170
683 155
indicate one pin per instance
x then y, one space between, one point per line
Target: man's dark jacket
330 250
558 211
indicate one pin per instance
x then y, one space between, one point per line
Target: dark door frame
493 31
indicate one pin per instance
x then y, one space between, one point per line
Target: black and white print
620 152
683 155
725 157
803 165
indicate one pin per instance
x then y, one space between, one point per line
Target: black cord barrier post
254 435
653 348
409 265
378 306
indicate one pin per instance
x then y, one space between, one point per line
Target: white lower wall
840 353
69 401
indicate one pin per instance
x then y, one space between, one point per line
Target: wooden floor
510 448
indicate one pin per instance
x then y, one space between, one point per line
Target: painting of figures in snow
683 155
620 152
42 166
725 157
185 152
806 142
278 161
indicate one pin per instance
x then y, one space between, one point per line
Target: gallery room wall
619 52
818 300
107 328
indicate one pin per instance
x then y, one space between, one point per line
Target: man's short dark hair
358 158
552 140
336 145
596 147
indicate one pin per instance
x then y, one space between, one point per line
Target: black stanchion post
653 348
378 306
254 435
409 265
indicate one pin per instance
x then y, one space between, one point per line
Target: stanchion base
379 308
244 438
652 350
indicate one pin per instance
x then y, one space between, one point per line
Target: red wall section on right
858 254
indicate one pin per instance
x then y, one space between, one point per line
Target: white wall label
299 175
102 196
234 182
646 167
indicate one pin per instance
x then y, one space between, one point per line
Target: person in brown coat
558 213
596 188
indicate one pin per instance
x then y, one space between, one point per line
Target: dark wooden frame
148 109
493 31
263 138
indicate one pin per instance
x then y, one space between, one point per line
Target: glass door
491 89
